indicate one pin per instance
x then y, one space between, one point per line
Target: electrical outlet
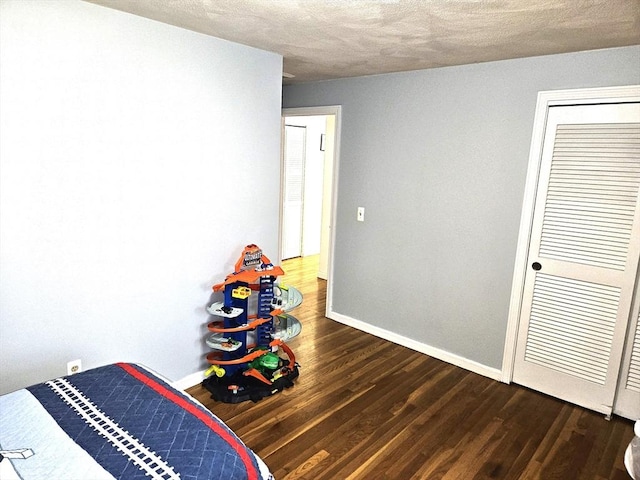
74 366
360 215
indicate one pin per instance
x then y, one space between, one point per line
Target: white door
583 255
293 190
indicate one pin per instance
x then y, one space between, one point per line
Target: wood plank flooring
365 408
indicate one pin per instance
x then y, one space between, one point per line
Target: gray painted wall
438 158
137 160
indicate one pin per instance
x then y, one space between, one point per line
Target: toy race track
250 359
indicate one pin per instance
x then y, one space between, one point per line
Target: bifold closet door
583 255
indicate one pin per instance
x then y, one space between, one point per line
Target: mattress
117 421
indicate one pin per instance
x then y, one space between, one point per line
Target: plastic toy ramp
219 309
286 327
214 358
218 341
219 327
286 297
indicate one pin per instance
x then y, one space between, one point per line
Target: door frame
546 99
335 110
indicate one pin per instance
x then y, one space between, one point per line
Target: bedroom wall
137 159
438 158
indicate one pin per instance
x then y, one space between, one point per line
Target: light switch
360 214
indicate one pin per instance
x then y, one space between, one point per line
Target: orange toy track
248 276
287 350
252 372
211 358
213 326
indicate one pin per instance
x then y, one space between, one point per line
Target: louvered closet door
583 255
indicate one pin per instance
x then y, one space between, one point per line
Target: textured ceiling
326 39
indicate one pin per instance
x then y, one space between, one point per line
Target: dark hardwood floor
365 408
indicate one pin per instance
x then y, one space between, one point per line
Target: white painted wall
137 159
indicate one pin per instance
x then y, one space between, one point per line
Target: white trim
524 236
452 358
311 111
189 381
588 96
546 99
324 110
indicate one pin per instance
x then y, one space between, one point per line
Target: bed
117 421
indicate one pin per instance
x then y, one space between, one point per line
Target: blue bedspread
118 421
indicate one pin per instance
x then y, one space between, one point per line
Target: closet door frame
627 401
546 99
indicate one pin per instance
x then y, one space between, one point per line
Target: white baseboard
189 381
458 361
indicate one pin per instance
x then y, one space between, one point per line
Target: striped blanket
117 421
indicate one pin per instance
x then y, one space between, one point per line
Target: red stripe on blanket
195 411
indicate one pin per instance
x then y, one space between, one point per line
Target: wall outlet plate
74 366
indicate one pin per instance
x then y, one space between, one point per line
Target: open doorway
309 166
